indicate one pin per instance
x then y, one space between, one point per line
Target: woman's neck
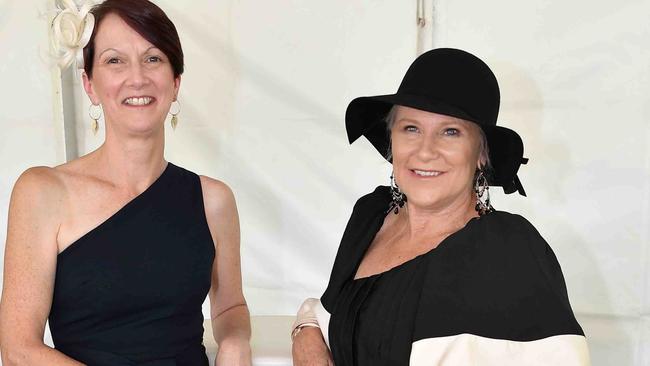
424 223
132 162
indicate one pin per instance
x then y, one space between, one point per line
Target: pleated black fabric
494 278
130 291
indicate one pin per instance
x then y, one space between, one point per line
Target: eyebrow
108 49
407 120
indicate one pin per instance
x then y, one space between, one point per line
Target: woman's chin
142 128
425 199
435 200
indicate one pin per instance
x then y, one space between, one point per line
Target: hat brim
365 116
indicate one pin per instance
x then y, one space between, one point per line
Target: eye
153 59
410 128
451 132
113 60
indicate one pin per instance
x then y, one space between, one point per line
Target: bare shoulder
217 196
35 209
220 212
39 185
45 184
39 176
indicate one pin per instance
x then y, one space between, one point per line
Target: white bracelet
300 327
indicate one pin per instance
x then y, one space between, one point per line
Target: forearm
309 348
35 355
232 326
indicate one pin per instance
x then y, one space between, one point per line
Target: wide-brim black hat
454 83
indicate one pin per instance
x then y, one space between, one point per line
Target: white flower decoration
71 30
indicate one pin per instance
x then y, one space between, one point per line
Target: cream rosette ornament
71 30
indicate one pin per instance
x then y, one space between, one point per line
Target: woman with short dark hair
119 248
427 272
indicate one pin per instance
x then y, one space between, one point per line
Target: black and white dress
492 293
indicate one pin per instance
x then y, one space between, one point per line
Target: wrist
234 341
308 334
234 352
300 327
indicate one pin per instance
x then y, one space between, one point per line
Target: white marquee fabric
575 82
263 100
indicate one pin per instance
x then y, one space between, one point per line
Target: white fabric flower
71 30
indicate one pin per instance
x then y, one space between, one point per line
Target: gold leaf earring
174 111
95 113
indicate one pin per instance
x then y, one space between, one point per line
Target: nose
428 148
137 76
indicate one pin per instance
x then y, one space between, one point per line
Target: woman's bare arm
29 269
228 309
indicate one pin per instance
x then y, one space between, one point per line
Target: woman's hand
234 354
309 349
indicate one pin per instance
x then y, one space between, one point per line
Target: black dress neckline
120 212
417 258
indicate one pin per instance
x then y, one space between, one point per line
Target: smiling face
132 79
434 158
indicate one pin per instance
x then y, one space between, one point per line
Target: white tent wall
575 80
263 100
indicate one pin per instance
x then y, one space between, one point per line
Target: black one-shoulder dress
490 294
129 292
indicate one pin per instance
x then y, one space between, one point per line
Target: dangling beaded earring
398 198
95 114
482 190
174 120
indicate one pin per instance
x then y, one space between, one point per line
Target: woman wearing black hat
428 273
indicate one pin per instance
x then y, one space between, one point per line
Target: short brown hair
148 20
